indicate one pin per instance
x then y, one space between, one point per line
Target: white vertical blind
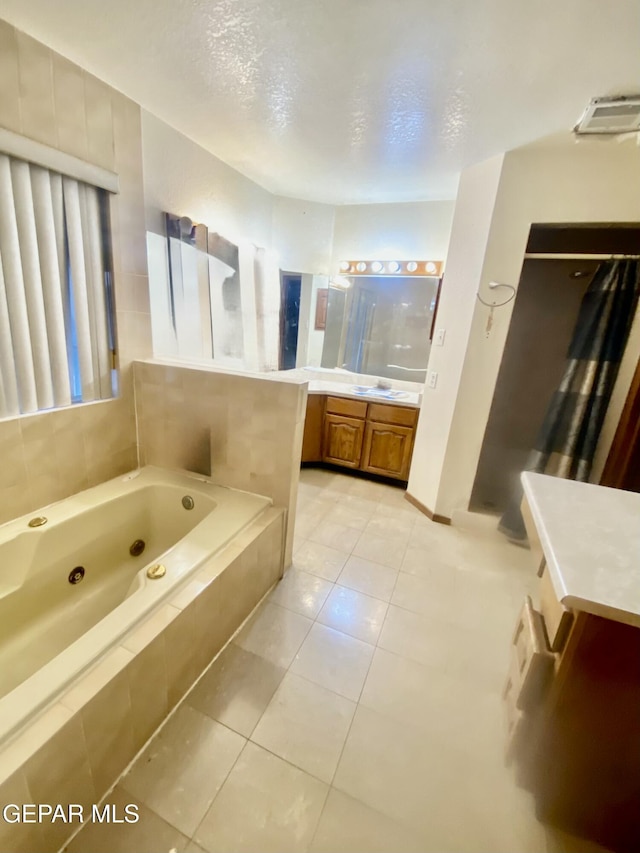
14 283
48 246
54 341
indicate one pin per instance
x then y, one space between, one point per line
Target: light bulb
430 267
344 266
412 266
393 266
361 267
376 266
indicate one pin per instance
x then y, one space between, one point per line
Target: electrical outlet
433 379
439 338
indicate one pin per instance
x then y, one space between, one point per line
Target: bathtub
70 588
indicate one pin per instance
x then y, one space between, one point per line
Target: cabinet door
342 443
312 439
387 450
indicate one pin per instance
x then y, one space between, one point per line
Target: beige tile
236 689
181 637
381 549
36 91
275 634
353 613
351 516
150 834
320 560
68 91
403 774
9 86
306 725
265 805
148 691
180 772
420 562
96 679
59 773
301 592
419 638
99 122
396 529
19 837
192 847
424 596
335 535
410 693
334 660
348 826
108 732
368 577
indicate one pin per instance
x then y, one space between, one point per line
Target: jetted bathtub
71 586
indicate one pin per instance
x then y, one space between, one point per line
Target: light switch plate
439 338
432 379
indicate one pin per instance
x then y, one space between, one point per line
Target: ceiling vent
611 115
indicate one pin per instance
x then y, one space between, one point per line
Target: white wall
589 182
404 231
182 178
465 255
303 235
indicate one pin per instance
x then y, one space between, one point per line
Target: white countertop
590 536
341 389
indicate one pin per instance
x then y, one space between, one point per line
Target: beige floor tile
150 834
419 561
306 725
353 613
396 527
236 689
301 592
266 805
274 633
358 504
380 549
368 577
425 596
419 638
181 770
348 516
335 535
192 847
402 773
320 560
334 660
348 826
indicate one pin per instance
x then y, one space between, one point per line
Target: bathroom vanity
572 695
366 435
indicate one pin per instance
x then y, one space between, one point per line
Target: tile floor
359 711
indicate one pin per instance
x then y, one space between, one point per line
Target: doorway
290 288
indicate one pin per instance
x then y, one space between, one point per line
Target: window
57 339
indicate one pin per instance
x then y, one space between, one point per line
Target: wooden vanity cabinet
572 709
372 437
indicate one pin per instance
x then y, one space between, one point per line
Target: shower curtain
569 434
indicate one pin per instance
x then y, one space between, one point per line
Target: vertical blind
56 334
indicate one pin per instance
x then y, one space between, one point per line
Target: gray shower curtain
569 434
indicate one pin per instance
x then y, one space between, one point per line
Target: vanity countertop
590 536
343 389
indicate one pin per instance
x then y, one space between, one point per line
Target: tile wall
244 430
45 97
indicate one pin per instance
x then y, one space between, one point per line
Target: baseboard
440 519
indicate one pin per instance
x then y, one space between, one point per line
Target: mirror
380 325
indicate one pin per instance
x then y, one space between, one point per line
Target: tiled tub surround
75 750
46 98
52 629
246 430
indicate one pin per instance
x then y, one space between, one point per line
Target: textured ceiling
351 100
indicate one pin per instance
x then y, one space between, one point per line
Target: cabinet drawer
386 414
516 721
556 617
342 406
531 661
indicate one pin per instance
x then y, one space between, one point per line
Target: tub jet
76 575
137 547
188 502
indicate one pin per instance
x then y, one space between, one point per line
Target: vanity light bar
415 268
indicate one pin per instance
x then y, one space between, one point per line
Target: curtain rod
603 256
